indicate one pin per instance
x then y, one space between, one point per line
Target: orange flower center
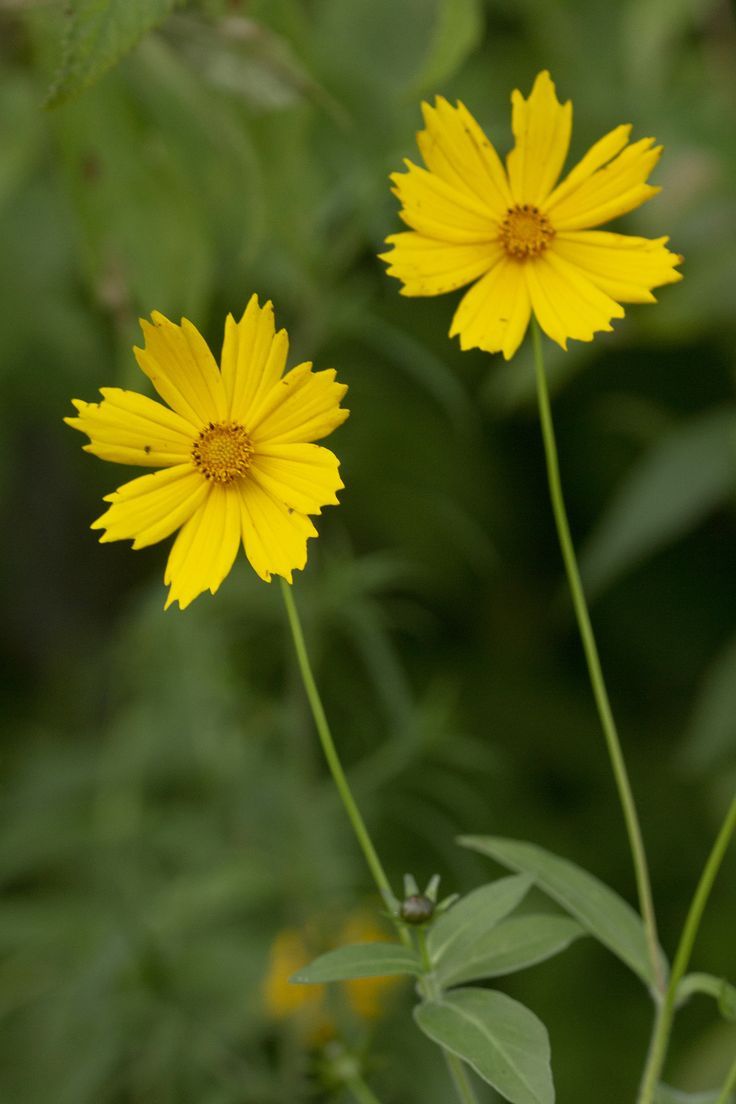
223 451
525 232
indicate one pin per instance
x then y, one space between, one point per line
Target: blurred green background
165 808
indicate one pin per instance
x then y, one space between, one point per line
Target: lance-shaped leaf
601 911
359 960
512 945
502 1040
664 1094
474 914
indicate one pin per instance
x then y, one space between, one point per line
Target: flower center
223 451
525 232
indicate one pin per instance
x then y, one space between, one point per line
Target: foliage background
166 810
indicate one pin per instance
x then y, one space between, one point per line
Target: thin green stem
456 1068
431 990
663 1024
360 1091
594 670
333 760
728 1085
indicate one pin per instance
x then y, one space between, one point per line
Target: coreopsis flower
235 448
528 242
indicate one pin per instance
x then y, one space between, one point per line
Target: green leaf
676 484
601 911
359 960
516 943
457 31
502 1040
99 33
711 735
721 990
474 914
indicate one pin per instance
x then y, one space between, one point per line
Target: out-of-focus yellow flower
526 240
308 1005
367 996
235 446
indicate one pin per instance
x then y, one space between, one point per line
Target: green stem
728 1085
333 760
594 670
431 990
663 1024
360 1091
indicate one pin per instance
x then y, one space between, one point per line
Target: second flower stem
595 672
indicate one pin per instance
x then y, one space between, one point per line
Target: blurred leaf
502 1040
457 30
516 943
665 1094
673 487
473 915
360 960
711 733
98 34
601 911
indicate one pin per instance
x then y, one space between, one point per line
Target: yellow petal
274 536
542 127
432 206
301 407
456 150
565 302
253 358
129 428
495 313
599 153
182 369
430 267
608 192
623 266
151 507
303 477
205 549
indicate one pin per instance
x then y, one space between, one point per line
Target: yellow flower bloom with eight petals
235 447
528 241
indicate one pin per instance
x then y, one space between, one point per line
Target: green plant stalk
333 759
360 1091
431 990
455 1066
663 1023
728 1085
600 693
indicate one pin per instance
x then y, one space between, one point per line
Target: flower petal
542 127
599 153
456 150
608 192
253 357
274 536
430 267
129 428
205 549
495 313
151 507
181 367
623 266
301 407
432 206
303 477
565 301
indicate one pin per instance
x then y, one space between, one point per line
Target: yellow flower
235 450
527 240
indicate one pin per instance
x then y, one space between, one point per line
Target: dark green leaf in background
502 1040
98 34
